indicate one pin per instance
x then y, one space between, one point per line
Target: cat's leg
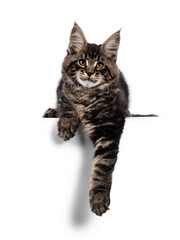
68 123
106 141
50 113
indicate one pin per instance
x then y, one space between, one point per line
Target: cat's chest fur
94 103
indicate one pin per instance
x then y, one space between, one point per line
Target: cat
93 92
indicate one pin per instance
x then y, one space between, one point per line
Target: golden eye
82 62
99 65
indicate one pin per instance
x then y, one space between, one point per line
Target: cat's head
91 65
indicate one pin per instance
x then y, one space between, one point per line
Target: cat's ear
110 47
77 41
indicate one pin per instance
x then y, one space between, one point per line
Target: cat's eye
82 62
99 65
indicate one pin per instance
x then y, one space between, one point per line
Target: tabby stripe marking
99 187
96 179
103 144
70 65
101 150
98 173
105 168
110 155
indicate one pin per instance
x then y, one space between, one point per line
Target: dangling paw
99 202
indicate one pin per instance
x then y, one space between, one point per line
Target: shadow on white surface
81 209
80 213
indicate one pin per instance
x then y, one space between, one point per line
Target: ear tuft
119 31
77 41
111 45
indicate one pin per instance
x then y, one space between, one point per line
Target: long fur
93 92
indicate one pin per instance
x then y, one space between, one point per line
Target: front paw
65 130
99 202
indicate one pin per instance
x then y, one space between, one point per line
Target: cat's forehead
92 51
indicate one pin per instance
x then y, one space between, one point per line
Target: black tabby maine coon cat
93 92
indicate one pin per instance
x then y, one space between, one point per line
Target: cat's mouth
88 82
89 79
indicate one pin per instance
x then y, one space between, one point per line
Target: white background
43 181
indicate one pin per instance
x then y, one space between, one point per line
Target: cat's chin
88 83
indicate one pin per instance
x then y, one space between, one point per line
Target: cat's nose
89 73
